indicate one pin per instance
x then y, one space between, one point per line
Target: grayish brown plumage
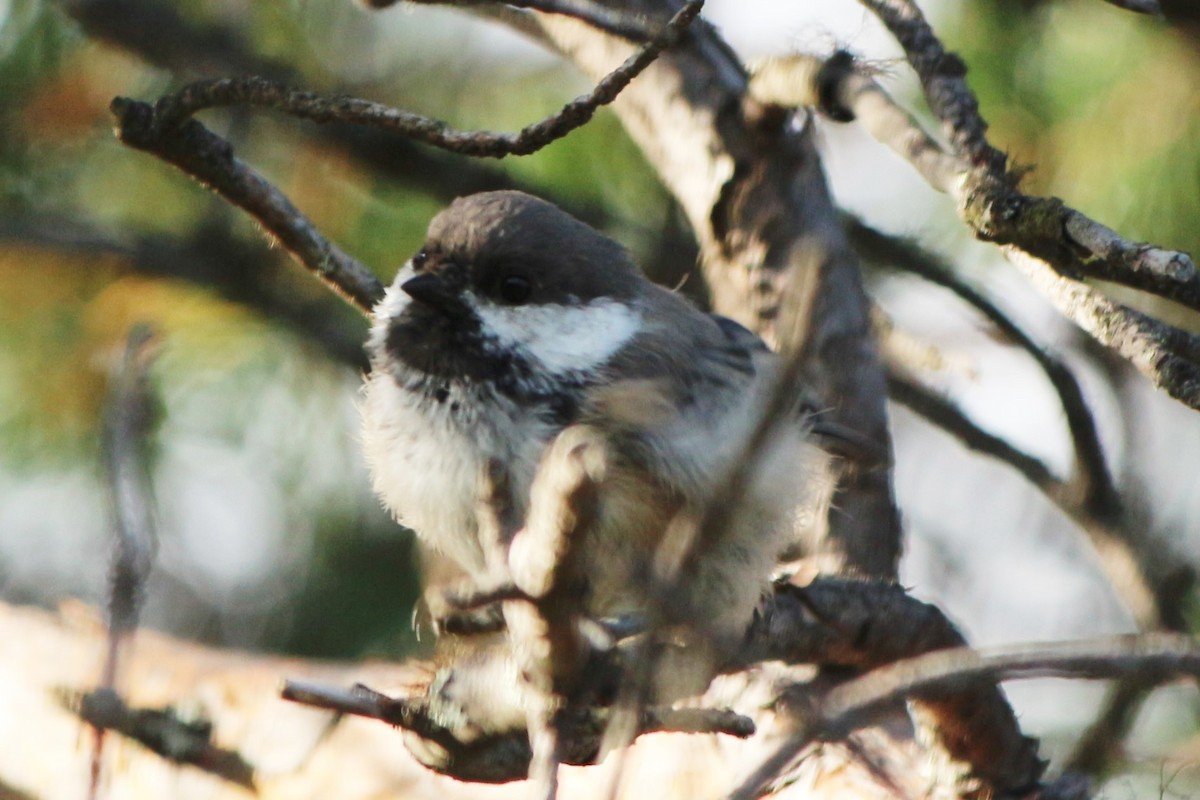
518 335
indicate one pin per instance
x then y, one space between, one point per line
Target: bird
516 333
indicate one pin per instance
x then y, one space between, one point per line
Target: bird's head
512 290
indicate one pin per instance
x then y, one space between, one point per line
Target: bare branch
1147 585
832 622
1169 357
209 159
163 731
506 756
636 27
167 131
1100 496
1150 7
944 414
1101 743
129 417
173 109
544 631
943 77
1157 657
843 90
1053 243
159 34
867 625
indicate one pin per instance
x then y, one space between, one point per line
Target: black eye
514 289
418 260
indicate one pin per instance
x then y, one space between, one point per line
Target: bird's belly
430 468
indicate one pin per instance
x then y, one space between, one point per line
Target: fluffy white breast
423 468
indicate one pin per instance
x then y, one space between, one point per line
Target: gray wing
679 398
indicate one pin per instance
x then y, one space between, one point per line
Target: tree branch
173 109
129 415
1099 493
1056 245
209 159
165 732
947 416
1157 657
1150 583
167 131
1150 7
635 27
831 622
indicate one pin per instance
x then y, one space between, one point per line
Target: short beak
429 288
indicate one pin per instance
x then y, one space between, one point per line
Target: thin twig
173 109
163 731
1169 357
636 27
544 631
209 159
943 77
947 416
167 131
1159 657
1100 744
1149 7
158 33
1120 559
843 90
1053 243
1134 569
364 702
128 419
1101 498
468 754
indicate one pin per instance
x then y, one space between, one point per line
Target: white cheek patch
562 338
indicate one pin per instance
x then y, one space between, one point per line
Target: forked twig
172 109
1159 657
168 131
497 757
1054 244
1100 495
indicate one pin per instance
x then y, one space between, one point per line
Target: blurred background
269 537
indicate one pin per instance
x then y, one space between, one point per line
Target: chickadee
517 325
